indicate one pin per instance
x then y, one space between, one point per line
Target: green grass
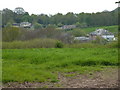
93 45
40 65
110 28
83 31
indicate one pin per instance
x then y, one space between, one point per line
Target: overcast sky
61 6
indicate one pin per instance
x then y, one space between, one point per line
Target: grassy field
84 31
110 28
40 65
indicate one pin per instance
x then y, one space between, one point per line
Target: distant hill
116 10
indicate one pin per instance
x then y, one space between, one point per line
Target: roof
101 32
25 24
81 38
68 26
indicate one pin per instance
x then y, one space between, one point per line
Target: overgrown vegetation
19 34
39 65
35 43
52 43
14 37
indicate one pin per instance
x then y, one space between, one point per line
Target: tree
81 20
7 16
70 18
19 10
43 19
9 25
34 18
59 24
37 26
51 26
78 33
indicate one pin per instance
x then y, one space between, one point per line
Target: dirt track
104 79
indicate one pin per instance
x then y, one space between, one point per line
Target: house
83 38
102 33
25 24
109 37
68 27
22 24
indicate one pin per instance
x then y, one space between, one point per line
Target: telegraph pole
118 42
118 16
117 2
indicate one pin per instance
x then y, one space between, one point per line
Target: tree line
105 18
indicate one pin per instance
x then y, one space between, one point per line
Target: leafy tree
59 24
7 16
19 10
51 26
37 26
78 33
9 25
43 19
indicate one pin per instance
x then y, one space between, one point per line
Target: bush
112 45
78 32
59 44
99 40
38 26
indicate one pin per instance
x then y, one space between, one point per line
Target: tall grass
43 64
51 43
93 45
35 43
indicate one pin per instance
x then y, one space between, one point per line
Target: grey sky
61 6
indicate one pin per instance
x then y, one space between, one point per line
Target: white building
104 34
68 26
81 38
25 24
109 37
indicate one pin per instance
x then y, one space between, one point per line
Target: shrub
112 45
99 40
78 32
37 26
59 44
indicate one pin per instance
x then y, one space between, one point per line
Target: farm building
68 27
25 24
82 38
102 33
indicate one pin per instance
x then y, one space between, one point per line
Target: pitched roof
101 32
